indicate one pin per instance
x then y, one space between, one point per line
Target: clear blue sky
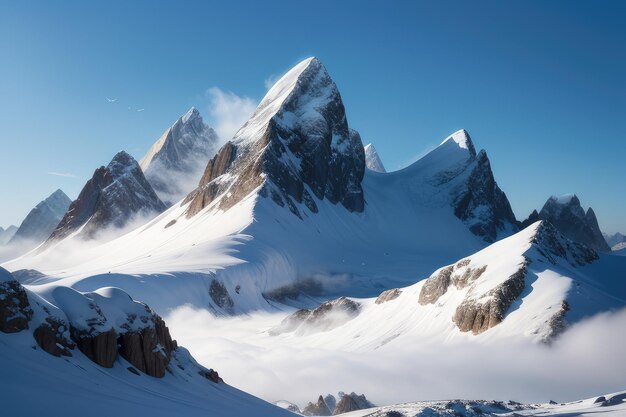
540 85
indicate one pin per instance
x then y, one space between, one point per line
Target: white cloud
228 111
62 174
270 81
587 360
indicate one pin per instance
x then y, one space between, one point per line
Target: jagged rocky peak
115 195
567 215
175 162
43 219
553 244
296 148
476 197
616 241
372 159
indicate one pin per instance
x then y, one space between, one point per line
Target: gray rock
569 218
326 316
388 295
220 296
478 317
318 409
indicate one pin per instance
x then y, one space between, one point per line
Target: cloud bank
587 360
228 112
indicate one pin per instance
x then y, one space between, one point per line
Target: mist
586 360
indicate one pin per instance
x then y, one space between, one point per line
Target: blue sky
540 85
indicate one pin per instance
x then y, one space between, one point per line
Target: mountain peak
372 159
567 215
193 113
298 141
463 140
110 199
174 163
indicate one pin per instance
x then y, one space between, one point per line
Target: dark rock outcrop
99 347
50 336
297 140
553 245
42 220
114 196
15 310
318 409
220 296
482 205
211 375
567 215
534 217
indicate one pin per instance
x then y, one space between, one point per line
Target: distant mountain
114 196
42 220
174 164
372 160
7 234
568 216
616 241
330 405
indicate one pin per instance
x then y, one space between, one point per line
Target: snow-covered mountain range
295 218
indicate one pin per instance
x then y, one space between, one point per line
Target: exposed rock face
150 349
388 295
43 219
298 142
318 409
211 375
111 199
219 295
435 286
50 336
174 164
553 245
534 217
482 205
15 310
372 160
478 317
566 214
326 316
99 347
107 323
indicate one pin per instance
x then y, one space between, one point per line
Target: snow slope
553 271
35 382
610 405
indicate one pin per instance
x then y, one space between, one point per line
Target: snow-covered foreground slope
105 352
610 405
